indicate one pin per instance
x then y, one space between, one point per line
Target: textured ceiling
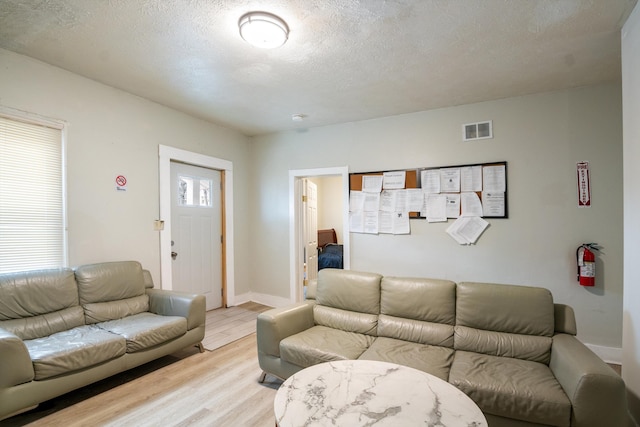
345 60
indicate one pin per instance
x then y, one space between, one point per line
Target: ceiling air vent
480 130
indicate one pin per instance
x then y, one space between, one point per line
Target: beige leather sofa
510 348
63 329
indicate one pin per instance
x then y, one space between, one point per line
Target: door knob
174 255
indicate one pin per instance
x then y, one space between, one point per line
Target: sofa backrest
36 304
111 290
347 300
504 320
418 310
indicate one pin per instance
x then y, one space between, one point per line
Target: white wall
540 136
111 132
631 306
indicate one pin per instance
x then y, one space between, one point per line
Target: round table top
363 392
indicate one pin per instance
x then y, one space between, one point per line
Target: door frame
165 155
296 244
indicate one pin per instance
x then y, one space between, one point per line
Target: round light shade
263 29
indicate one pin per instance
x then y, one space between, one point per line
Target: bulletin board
494 201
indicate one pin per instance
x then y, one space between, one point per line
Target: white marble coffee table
363 393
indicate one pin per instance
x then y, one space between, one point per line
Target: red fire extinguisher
586 260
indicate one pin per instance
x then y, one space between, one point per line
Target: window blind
32 226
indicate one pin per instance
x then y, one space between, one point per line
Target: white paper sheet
385 222
450 180
453 205
388 201
471 204
356 222
371 202
415 199
401 223
492 204
471 178
371 222
436 208
494 179
372 183
466 230
356 201
430 180
393 180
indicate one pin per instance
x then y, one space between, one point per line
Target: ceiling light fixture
263 29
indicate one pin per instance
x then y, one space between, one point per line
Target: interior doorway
297 236
225 167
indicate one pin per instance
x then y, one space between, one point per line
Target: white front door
196 236
310 227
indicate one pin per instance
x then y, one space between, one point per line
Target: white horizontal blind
32 234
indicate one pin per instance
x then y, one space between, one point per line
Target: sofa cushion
39 303
104 311
111 290
146 330
527 347
72 350
33 327
415 331
433 360
320 344
349 290
505 308
109 281
430 300
511 388
350 321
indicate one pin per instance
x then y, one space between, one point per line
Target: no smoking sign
121 183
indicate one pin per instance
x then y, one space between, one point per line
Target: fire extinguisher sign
584 185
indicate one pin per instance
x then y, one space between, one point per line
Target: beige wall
540 136
111 132
330 203
631 308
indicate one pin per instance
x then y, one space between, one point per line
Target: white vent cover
480 130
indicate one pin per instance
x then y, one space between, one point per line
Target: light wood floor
217 388
226 325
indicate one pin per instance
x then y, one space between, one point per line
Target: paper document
388 201
471 204
415 198
393 180
450 180
453 205
371 202
467 229
471 178
372 183
356 201
493 204
494 179
401 223
430 180
356 222
436 208
385 222
371 222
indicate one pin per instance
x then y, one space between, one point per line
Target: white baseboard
264 299
608 354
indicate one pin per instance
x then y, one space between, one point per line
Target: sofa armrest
278 323
173 303
16 367
597 393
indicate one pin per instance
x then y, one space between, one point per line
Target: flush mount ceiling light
263 29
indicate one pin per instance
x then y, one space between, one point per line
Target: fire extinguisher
586 260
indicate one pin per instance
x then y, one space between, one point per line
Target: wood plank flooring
226 325
217 388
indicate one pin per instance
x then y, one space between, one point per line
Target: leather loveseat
63 329
509 348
